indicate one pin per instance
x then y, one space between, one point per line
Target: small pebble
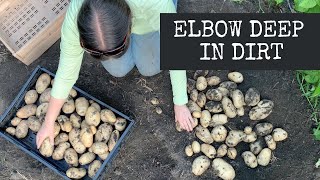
158 110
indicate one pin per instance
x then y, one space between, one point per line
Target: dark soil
155 150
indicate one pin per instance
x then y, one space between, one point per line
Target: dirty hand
46 130
183 117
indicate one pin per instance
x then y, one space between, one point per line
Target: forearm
179 86
54 108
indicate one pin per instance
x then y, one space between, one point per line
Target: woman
122 34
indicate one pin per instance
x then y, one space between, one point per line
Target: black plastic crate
28 144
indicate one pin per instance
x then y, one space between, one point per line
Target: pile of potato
84 133
212 104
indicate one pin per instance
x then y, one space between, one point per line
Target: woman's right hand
46 131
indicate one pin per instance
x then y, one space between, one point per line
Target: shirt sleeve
71 54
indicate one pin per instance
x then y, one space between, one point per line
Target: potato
74 138
262 110
86 158
219 133
42 110
73 93
223 169
27 111
56 129
224 91
45 96
76 173
252 97
69 106
46 149
108 116
201 101
279 134
237 98
31 97
115 135
200 165
263 129
61 138
214 107
154 101
201 83
222 150
84 125
228 85
92 116
240 112
22 129
234 137
75 119
204 134
96 105
195 147
100 148
228 107
103 156
11 131
251 137
34 123
271 143
71 157
43 82
205 118
218 119
247 130
235 77
194 95
103 133
213 80
86 137
82 104
208 150
250 159
188 150
15 121
191 84
196 114
120 124
158 110
93 168
256 146
192 106
195 122
232 153
199 73
214 95
58 153
264 157
64 123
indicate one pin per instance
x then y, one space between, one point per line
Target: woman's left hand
183 117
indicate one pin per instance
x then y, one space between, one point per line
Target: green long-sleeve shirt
146 18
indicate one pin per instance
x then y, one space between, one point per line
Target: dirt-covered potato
46 149
252 97
42 110
229 85
93 168
58 152
200 165
188 150
43 82
103 133
92 116
251 137
232 153
11 131
199 73
84 125
69 106
204 134
235 77
201 83
195 122
154 101
73 93
213 80
27 111
205 118
74 138
195 147
22 129
15 121
262 110
256 146
96 105
247 129
194 95
100 148
191 84
31 97
56 129
219 133
108 116
263 129
45 96
223 169
208 150
103 156
196 114
120 124
250 159
224 91
82 104
214 95
76 173
75 120
228 107
61 138
64 123
158 110
222 150
237 98
201 101
271 143
86 158
71 157
34 123
214 107
240 111
86 137
234 137
279 134
264 157
192 106
218 119
115 135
